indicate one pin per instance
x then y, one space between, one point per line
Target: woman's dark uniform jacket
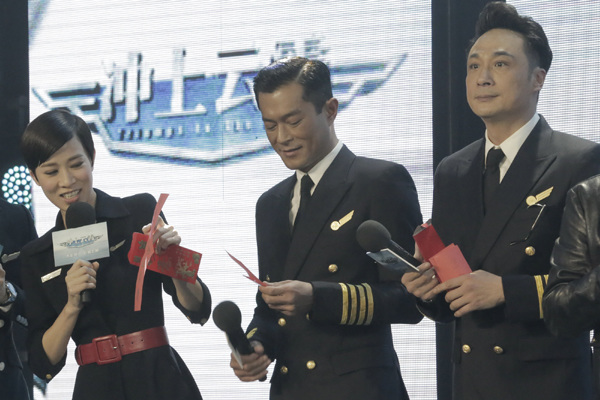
572 298
157 373
343 348
16 230
506 352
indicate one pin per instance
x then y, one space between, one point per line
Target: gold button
268 278
333 268
48 376
466 348
498 350
594 340
281 322
308 316
530 250
311 364
283 369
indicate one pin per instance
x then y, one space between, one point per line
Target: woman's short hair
47 133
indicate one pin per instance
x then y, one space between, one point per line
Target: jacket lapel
277 229
327 195
530 164
472 171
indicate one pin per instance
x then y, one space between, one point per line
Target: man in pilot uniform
325 315
500 200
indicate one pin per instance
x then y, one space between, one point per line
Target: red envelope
176 262
448 262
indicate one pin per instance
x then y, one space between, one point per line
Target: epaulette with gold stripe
540 284
358 305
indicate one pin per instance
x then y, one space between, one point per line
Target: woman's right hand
81 276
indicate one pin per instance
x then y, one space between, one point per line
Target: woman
59 152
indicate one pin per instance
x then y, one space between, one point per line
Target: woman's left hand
164 236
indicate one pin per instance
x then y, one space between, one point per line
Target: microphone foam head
227 316
80 214
373 236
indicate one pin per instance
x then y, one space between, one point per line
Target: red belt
109 349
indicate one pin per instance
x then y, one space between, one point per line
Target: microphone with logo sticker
228 318
377 241
79 215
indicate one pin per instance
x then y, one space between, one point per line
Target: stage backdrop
166 87
569 99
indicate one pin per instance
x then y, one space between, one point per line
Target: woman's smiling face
66 177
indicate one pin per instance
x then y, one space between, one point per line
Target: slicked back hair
312 75
499 15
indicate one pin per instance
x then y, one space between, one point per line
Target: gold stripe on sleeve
354 302
540 291
344 304
545 281
363 306
371 304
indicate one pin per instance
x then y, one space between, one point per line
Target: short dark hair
312 75
47 133
499 15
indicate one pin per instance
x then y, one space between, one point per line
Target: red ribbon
149 251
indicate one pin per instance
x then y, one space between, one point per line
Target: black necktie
305 185
491 175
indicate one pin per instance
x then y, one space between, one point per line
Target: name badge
51 275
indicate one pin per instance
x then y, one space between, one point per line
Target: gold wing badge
116 246
251 333
335 225
531 200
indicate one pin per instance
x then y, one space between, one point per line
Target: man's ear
331 109
539 77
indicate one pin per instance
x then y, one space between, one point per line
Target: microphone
81 214
228 318
377 241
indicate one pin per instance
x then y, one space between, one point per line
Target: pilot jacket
16 381
341 349
506 352
154 374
